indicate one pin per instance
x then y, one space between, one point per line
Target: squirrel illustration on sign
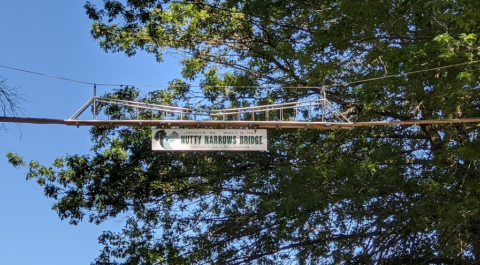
166 141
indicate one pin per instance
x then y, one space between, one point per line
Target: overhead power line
233 86
46 75
413 72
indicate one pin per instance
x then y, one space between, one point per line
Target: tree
9 100
393 195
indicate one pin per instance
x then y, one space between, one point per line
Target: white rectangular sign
209 140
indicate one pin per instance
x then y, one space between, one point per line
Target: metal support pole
94 101
324 102
310 112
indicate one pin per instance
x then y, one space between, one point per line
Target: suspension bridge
310 114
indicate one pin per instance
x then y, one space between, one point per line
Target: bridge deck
231 124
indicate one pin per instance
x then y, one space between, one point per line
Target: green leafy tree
388 195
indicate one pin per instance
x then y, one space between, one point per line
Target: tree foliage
392 195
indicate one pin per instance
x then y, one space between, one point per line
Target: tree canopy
392 195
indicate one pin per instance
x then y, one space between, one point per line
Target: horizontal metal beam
233 124
32 120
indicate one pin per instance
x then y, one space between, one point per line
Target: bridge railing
319 110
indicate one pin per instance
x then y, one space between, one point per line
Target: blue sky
53 37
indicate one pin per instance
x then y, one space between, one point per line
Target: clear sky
53 37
